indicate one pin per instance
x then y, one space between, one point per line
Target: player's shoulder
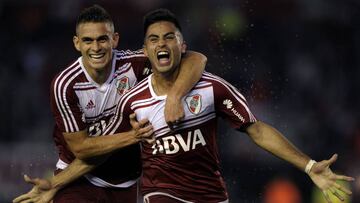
137 91
70 74
212 79
220 85
125 54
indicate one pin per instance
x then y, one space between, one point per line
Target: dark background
297 62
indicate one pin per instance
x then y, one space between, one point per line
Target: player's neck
162 82
99 76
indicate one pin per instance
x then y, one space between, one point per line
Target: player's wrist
135 136
309 166
56 185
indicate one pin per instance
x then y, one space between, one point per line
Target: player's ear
116 38
145 51
183 47
76 42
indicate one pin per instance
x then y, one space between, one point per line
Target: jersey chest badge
194 103
122 85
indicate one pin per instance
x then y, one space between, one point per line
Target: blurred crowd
297 62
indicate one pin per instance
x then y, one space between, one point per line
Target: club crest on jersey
122 85
194 103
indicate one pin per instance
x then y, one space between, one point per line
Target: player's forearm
75 170
191 68
273 141
96 146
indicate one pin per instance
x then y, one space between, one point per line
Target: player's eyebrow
169 33
165 35
86 39
102 37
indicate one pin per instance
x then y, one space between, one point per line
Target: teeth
96 56
162 53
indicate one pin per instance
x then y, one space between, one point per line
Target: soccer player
83 99
182 164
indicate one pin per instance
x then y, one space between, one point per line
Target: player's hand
143 130
174 111
42 192
325 179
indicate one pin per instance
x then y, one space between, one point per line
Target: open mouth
163 57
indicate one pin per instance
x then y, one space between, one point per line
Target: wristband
309 165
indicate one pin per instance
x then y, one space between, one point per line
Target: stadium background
297 62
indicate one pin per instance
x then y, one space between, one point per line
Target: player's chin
163 68
97 66
100 64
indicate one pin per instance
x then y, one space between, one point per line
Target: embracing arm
191 68
85 147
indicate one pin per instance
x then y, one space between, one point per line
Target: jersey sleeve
232 105
139 62
65 107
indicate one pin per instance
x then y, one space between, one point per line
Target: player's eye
170 37
153 39
87 40
103 39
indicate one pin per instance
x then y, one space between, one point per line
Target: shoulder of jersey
129 53
73 69
141 85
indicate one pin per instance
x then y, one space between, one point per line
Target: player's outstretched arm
191 68
273 141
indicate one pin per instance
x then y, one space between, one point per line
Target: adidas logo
90 105
146 71
228 103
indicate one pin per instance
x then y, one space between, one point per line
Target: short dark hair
160 14
95 14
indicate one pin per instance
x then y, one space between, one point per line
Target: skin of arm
85 147
274 142
44 190
191 68
75 170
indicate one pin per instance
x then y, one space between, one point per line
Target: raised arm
273 141
191 67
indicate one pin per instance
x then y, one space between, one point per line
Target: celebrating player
182 165
84 97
